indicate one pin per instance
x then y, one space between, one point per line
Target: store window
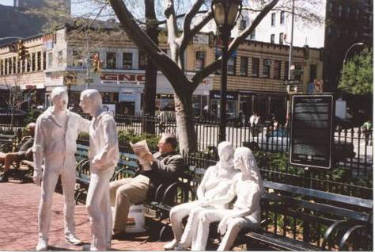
111 60
127 60
277 69
255 67
272 39
282 17
273 18
232 65
244 65
200 60
266 68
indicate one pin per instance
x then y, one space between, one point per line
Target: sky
6 2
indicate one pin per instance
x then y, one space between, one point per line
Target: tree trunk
149 91
185 125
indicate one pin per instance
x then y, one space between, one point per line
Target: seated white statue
211 193
248 188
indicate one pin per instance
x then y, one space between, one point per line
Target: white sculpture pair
56 133
220 185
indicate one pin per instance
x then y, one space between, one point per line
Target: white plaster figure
56 132
103 156
248 188
211 193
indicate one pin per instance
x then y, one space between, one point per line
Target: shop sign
229 95
123 77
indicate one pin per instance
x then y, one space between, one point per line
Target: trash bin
136 219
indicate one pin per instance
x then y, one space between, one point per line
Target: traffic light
22 52
96 63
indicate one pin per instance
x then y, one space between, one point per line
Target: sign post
312 131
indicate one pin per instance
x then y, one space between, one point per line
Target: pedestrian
367 131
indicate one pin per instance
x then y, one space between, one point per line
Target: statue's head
59 98
225 151
90 101
244 161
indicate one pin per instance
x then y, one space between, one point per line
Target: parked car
6 115
278 141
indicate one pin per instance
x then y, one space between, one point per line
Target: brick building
256 71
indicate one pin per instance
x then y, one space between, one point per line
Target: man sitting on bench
165 167
24 152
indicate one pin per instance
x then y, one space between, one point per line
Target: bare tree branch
140 38
191 14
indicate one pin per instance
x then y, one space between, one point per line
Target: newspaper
140 150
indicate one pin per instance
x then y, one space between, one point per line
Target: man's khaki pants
124 193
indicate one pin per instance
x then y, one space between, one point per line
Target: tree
356 76
178 39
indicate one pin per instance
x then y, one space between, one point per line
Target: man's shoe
3 178
42 245
180 247
71 238
86 247
171 245
118 236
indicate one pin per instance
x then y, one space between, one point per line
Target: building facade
256 72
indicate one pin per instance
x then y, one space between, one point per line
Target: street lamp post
225 15
349 49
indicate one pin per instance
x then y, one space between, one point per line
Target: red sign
123 77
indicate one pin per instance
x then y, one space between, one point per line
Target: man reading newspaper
163 167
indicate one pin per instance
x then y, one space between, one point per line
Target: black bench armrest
348 234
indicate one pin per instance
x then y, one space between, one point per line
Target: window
266 68
286 70
277 69
232 65
255 67
59 58
244 65
273 17
127 60
28 66
18 65
242 25
14 62
111 60
77 61
200 60
142 60
330 6
339 11
281 38
50 59
272 39
23 65
298 72
6 67
33 66
39 61
313 71
282 17
1 67
252 35
44 60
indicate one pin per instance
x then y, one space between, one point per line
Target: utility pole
290 60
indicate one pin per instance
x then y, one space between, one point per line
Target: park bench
7 142
160 202
298 218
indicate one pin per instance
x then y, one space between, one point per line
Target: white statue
211 193
248 188
103 156
54 147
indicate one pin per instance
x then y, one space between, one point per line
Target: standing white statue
248 188
211 193
103 156
56 132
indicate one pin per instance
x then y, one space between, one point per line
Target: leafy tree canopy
356 77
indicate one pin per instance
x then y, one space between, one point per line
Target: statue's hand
37 177
222 228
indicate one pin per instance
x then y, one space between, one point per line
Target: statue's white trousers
49 180
99 209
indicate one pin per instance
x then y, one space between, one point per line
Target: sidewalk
18 222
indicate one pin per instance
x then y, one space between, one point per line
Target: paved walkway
18 222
